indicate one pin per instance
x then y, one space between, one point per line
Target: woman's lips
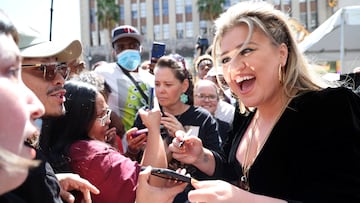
245 83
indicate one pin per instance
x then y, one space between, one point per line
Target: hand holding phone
139 132
157 51
169 174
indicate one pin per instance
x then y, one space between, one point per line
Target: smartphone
157 51
151 98
169 174
139 132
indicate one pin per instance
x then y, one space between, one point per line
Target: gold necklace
244 180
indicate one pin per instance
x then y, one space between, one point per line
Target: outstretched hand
71 181
148 193
215 191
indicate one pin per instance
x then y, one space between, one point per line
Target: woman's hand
171 124
147 193
71 181
110 137
185 148
135 143
213 191
189 149
151 118
218 191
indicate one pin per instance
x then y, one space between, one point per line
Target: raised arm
154 153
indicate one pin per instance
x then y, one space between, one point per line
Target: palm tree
107 14
210 9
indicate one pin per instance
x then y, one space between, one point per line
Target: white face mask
129 59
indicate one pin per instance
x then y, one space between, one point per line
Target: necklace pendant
244 183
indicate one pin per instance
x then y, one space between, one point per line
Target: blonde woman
19 108
300 143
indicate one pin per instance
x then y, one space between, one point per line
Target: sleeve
338 148
41 185
327 147
211 140
113 174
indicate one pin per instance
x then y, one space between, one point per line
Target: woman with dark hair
75 142
174 91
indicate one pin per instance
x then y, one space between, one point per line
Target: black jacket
311 155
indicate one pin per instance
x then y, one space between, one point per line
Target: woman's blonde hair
14 163
295 75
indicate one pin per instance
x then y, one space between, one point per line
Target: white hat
215 71
126 31
32 45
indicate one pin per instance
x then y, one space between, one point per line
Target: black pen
182 142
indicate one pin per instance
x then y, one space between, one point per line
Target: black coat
311 155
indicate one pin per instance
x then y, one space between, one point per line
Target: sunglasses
105 117
48 71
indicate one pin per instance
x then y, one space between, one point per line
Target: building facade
178 24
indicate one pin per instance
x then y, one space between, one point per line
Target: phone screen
157 51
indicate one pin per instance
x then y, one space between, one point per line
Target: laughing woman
299 143
19 107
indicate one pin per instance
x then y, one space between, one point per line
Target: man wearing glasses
206 95
128 90
44 71
42 61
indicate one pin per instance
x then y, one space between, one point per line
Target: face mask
129 59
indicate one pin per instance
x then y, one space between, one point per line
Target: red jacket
112 173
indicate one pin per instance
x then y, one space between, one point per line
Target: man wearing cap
44 72
203 64
45 69
129 92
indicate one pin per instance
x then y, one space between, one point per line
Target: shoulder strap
135 83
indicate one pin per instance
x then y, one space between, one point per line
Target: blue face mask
129 59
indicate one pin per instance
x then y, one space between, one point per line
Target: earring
184 98
280 74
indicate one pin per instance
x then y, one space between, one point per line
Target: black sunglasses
49 71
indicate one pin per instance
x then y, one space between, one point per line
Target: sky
36 14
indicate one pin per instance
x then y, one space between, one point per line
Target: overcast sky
36 14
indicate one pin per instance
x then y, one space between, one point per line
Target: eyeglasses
209 97
48 71
105 117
